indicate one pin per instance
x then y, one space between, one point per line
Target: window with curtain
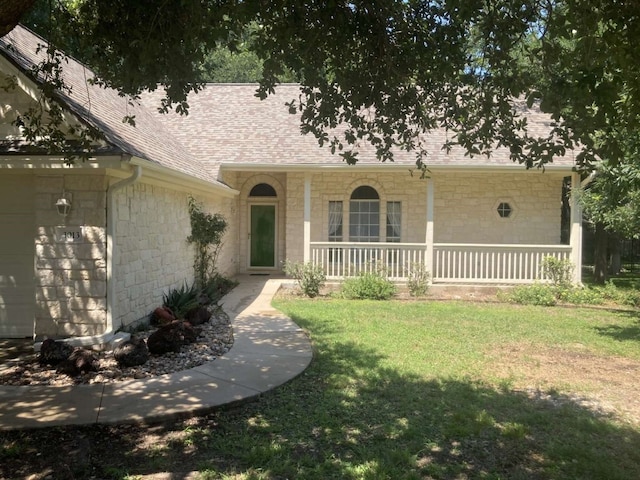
364 215
394 221
335 221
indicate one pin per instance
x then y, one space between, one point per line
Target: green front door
263 236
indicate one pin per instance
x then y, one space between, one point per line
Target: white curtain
394 221
335 221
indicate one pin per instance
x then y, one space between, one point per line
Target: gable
105 109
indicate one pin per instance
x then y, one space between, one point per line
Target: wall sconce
63 205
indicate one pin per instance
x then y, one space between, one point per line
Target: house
106 263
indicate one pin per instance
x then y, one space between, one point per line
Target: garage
17 286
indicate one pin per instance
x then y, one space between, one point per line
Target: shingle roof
104 109
228 124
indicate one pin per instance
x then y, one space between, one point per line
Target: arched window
263 190
364 215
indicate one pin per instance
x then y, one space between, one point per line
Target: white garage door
17 225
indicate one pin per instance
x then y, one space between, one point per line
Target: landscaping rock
131 353
198 315
169 338
53 352
162 316
80 361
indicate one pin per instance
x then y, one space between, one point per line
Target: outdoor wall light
63 205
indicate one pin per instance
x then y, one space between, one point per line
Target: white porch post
429 233
307 218
576 229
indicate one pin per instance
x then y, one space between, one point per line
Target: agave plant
181 300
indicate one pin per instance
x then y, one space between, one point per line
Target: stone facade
151 253
151 250
70 266
244 182
465 208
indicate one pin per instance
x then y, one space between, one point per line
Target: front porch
446 262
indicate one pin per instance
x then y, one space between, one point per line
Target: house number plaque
69 235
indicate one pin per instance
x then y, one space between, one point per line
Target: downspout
108 335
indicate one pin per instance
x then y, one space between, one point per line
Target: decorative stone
198 315
53 352
162 316
131 353
169 338
79 362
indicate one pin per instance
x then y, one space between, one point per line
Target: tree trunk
11 12
600 254
615 264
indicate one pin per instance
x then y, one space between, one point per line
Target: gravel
215 339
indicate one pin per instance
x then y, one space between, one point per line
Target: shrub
207 231
560 272
310 277
582 296
181 300
418 283
536 294
632 299
215 288
369 286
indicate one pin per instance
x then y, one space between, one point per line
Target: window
262 190
335 221
394 221
364 215
504 210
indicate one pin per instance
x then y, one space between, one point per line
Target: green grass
399 390
405 391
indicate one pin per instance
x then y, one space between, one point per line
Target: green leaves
207 231
459 65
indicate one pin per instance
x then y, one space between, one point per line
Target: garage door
17 224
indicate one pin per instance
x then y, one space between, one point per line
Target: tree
238 65
418 64
612 204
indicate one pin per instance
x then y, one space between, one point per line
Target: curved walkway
268 350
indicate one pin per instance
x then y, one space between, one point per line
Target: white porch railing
493 263
348 259
459 263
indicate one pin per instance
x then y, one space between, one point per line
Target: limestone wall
152 254
70 264
465 208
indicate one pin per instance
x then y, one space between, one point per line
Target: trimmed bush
310 277
368 286
418 283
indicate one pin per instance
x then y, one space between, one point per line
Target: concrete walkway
268 350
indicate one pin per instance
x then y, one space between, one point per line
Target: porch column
576 229
429 233
307 218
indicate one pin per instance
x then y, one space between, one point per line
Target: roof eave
386 166
171 177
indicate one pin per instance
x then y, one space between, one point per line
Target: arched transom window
263 190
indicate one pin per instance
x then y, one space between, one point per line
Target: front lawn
409 390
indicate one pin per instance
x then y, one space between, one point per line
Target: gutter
383 167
